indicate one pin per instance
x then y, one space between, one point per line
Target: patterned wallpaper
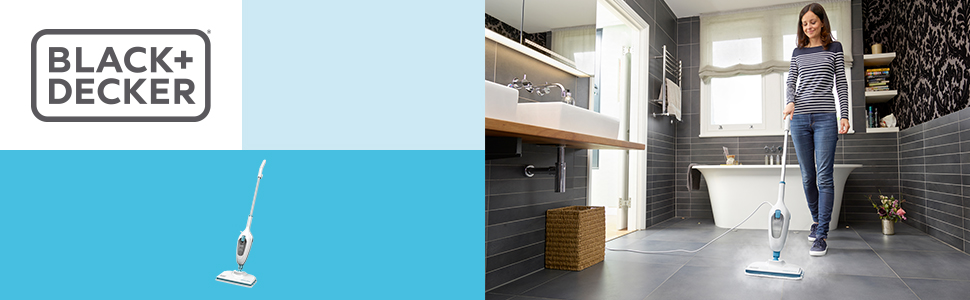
932 45
511 32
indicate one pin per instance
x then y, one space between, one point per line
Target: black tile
948 149
498 246
944 135
950 264
649 6
911 146
607 280
936 178
666 21
901 241
717 283
504 201
870 142
943 159
683 37
872 155
491 296
504 230
512 272
911 134
938 289
846 287
529 282
638 9
695 32
512 257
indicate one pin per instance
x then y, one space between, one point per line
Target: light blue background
163 224
363 75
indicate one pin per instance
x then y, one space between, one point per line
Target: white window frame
772 98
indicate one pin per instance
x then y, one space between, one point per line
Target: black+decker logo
120 75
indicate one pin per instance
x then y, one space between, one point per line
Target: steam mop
778 218
243 245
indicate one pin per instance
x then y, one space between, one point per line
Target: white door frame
638 113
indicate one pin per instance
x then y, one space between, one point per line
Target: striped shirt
817 70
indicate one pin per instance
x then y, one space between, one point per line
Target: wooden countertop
542 135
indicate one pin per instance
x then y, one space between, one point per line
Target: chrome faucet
524 84
567 97
542 90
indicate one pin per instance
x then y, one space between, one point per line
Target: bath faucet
541 90
567 97
524 84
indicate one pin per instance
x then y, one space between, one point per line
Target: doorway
617 177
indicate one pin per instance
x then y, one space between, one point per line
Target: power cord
702 247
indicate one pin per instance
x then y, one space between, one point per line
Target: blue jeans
815 137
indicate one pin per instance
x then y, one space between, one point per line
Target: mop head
774 269
239 278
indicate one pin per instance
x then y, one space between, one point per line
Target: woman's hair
826 33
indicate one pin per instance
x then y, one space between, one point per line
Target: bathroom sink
562 116
500 101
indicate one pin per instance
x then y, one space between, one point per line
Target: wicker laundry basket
575 237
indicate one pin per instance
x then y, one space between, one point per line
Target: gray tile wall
515 205
515 208
934 163
876 152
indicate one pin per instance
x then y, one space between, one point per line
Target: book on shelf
877 70
877 88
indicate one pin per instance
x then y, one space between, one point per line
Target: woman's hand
843 126
789 109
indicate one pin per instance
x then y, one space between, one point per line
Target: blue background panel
163 224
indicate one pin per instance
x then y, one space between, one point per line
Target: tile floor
861 263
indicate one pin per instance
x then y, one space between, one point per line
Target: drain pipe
559 170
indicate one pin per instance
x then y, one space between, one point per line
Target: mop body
239 278
774 269
778 220
243 246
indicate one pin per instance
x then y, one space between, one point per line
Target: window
745 57
733 101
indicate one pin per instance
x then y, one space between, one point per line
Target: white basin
500 101
562 116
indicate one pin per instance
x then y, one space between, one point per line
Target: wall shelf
881 59
879 96
541 135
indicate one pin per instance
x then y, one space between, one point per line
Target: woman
816 64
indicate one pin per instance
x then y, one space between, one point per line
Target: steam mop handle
258 177
784 151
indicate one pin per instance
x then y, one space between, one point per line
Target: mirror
562 29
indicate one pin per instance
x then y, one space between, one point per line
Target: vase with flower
890 211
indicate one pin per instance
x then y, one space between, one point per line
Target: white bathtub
736 190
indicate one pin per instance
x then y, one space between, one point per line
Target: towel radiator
671 67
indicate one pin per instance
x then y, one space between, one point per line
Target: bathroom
924 160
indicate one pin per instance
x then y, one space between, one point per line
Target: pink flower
901 213
896 203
